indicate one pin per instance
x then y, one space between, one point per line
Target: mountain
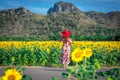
61 7
18 22
111 19
21 24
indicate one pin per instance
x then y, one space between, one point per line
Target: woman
65 54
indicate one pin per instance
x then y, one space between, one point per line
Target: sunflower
48 50
77 55
87 52
12 74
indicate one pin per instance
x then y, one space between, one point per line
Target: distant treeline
57 38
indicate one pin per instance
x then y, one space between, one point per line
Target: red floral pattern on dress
65 54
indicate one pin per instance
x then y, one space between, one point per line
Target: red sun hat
65 33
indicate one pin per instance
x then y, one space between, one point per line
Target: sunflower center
88 52
77 55
11 77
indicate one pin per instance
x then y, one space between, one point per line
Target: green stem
76 68
85 62
94 73
81 74
69 74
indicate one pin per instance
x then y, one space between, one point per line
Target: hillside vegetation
22 24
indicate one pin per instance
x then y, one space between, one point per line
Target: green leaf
54 78
101 74
71 70
26 77
109 78
98 66
65 75
0 78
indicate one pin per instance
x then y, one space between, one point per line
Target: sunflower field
47 53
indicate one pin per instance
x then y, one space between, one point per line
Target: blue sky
42 6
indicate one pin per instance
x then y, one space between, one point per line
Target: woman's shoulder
70 39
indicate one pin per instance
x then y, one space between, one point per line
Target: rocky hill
17 22
61 7
93 25
111 19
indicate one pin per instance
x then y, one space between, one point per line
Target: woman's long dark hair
65 39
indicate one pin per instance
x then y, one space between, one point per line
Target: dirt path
45 73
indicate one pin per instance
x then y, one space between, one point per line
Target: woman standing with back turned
65 53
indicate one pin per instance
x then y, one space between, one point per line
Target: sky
42 6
